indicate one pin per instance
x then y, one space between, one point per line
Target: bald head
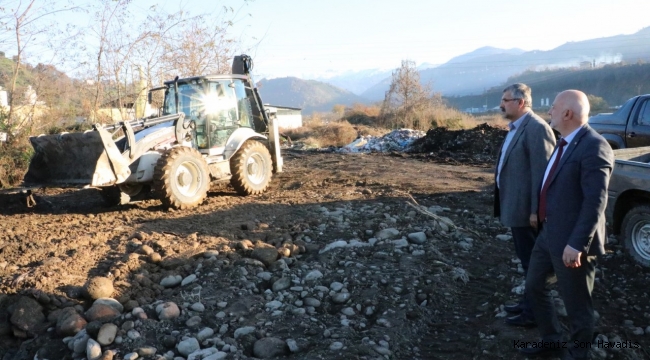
577 102
570 111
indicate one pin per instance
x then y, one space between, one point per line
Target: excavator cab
216 107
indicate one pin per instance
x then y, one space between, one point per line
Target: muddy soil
348 256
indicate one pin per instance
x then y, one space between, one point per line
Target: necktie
542 196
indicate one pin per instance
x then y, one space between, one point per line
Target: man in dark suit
520 168
572 201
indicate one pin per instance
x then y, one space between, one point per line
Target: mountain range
467 74
309 95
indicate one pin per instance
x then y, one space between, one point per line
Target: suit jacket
523 168
577 195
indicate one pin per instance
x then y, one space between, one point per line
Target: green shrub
14 161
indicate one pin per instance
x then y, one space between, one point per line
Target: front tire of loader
251 168
181 178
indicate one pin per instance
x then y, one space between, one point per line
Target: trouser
524 239
575 285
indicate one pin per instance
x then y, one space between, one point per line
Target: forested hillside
614 83
62 95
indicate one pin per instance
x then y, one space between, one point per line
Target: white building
30 96
3 98
287 117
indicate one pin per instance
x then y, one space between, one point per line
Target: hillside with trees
613 83
59 93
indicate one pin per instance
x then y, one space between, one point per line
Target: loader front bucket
89 158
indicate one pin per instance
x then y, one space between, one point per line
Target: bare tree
148 56
110 17
411 104
165 45
119 57
198 48
406 98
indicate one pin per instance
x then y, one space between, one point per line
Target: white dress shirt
568 140
506 143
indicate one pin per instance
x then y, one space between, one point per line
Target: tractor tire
251 168
181 178
636 230
113 196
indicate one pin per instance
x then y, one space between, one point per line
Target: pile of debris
396 140
480 144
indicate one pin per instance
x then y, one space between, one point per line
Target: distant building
3 98
130 107
30 96
287 117
474 110
586 65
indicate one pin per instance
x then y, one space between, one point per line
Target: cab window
644 114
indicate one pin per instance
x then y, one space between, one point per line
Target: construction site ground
380 256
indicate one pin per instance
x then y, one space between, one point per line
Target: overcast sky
312 38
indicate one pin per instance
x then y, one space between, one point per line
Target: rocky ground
348 256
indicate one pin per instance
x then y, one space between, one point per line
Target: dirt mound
478 145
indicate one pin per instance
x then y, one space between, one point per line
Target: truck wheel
181 178
636 229
113 196
251 168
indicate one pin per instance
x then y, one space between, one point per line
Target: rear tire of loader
251 168
181 178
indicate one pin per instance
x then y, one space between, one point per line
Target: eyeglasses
508 100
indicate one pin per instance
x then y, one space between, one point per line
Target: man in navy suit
572 201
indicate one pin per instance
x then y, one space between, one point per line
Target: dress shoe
513 309
519 320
